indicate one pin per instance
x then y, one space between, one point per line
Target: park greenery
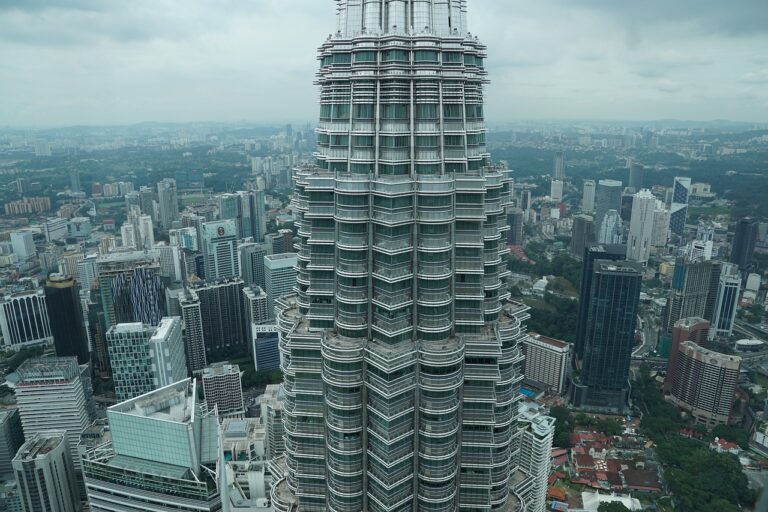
699 479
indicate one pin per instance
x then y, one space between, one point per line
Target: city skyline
154 62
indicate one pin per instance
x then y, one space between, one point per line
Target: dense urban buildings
693 329
163 455
45 474
145 357
609 336
223 389
65 317
546 361
400 279
703 383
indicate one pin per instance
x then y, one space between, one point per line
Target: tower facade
65 315
45 474
744 242
588 197
400 351
220 250
728 291
678 213
24 320
608 197
168 200
641 227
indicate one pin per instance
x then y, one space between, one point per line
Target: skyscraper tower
608 197
641 227
636 176
558 170
603 383
588 197
689 291
744 243
168 199
220 250
678 213
65 316
728 291
400 352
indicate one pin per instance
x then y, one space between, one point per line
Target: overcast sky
124 61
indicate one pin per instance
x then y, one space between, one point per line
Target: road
649 335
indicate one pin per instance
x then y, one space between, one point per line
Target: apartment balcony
441 382
343 400
392 217
352 268
321 262
470 212
349 213
434 297
469 239
393 301
434 323
393 186
392 387
392 272
442 184
352 241
441 405
342 378
391 408
436 214
320 211
352 294
435 243
393 245
322 236
468 264
435 270
343 423
447 426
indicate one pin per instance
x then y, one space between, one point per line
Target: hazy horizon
109 63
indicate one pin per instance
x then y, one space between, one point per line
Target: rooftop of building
45 370
174 403
280 258
124 256
549 341
690 322
218 369
40 445
713 356
163 329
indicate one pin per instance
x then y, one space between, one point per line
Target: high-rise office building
583 234
693 329
280 277
147 202
55 393
556 191
546 361
406 380
636 176
146 357
558 168
728 291
607 197
537 433
611 230
592 253
515 223
163 455
744 241
678 213
256 305
660 225
194 343
525 199
251 262
11 438
627 202
74 180
271 405
603 382
223 389
220 250
130 288
223 317
65 317
24 320
23 244
641 227
704 382
588 196
168 201
55 229
45 474
689 291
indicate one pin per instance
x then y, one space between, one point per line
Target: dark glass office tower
744 243
592 252
65 316
602 383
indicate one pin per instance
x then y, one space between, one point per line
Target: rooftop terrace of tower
174 403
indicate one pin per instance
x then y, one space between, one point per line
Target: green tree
613 506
